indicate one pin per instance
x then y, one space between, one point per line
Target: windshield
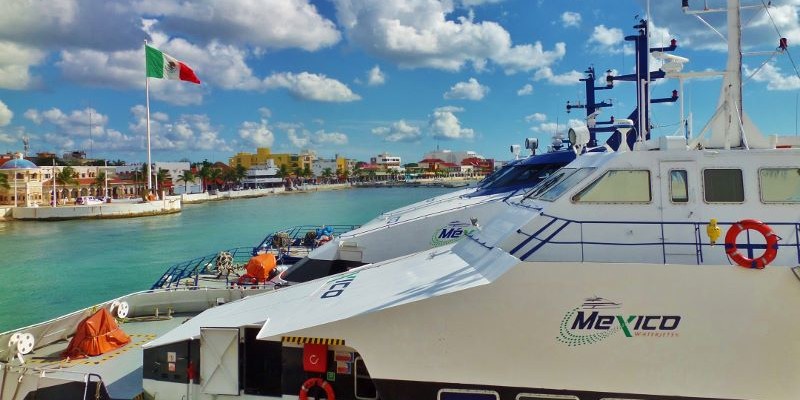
495 175
558 183
529 174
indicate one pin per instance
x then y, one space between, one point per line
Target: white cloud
553 128
264 112
470 90
422 33
399 131
5 114
570 18
257 134
375 76
536 117
116 69
15 64
568 78
445 125
273 24
525 90
187 132
310 86
606 37
771 74
75 123
305 138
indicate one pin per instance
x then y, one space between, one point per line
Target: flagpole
147 107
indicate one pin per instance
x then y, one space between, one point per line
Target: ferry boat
571 273
665 270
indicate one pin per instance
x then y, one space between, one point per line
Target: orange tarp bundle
261 265
95 335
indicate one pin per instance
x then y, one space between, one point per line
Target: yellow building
289 161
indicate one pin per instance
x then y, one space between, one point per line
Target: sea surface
48 269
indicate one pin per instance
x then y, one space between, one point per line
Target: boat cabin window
723 185
535 396
467 394
779 185
562 180
678 186
620 186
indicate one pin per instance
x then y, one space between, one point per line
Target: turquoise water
48 269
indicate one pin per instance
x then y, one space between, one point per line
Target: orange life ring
769 254
307 385
247 279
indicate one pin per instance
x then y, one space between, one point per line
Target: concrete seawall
109 210
249 193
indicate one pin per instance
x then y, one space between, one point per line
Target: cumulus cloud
569 18
556 128
469 90
257 134
375 76
423 34
5 114
275 24
187 132
310 86
445 125
399 131
606 37
302 138
525 90
773 77
536 117
75 123
568 78
264 112
15 64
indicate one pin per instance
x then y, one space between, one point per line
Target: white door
219 360
679 189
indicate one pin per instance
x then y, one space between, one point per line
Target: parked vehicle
88 201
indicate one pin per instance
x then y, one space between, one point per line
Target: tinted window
723 185
779 185
617 187
678 186
565 184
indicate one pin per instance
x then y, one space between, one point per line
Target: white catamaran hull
720 332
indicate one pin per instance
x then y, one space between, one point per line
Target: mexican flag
163 66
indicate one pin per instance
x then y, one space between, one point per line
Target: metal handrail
297 233
697 242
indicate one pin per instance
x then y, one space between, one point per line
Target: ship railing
552 233
195 267
296 235
24 379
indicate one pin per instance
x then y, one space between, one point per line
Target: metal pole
55 196
105 175
15 188
147 106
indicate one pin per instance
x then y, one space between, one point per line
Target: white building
319 166
262 176
387 162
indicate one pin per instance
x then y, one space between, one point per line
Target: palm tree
327 173
161 177
241 173
307 171
283 172
100 181
229 177
205 174
214 176
186 177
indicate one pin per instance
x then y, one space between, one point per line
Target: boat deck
120 369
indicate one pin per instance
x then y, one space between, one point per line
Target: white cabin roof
363 290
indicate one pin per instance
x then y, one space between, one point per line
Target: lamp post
105 176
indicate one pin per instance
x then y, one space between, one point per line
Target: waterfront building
262 176
290 162
387 162
336 165
24 182
453 157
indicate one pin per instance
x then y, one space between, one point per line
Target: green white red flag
163 66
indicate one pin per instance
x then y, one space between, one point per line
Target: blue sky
353 77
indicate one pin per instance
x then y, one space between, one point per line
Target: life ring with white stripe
760 262
307 385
